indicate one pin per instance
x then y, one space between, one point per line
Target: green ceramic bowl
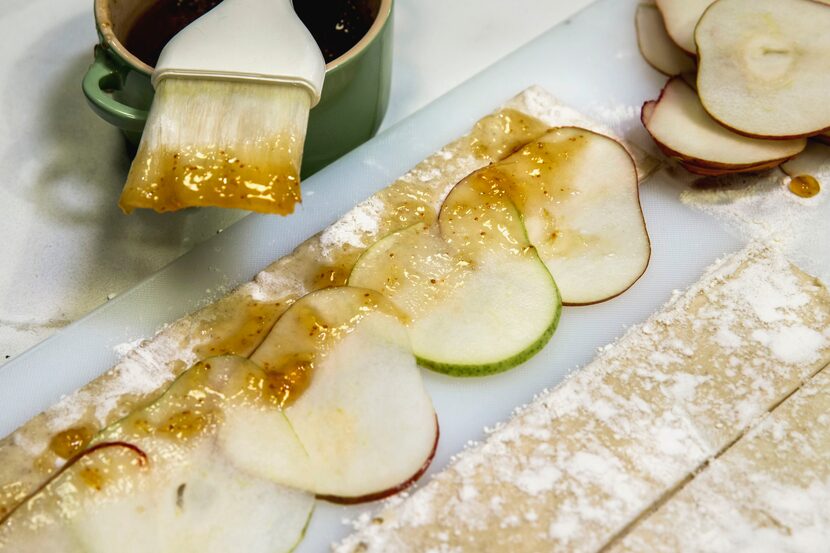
354 100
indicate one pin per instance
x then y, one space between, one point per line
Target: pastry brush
228 121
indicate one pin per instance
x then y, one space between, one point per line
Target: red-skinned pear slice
681 17
764 67
579 197
714 172
656 46
682 129
155 481
360 425
476 310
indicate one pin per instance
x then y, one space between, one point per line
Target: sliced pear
579 197
715 172
414 268
341 409
512 306
155 481
363 427
656 45
45 520
474 311
682 129
681 17
479 298
647 111
207 506
765 66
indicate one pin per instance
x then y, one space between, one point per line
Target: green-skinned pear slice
477 310
656 45
512 306
362 426
579 197
764 67
680 18
156 481
489 303
682 129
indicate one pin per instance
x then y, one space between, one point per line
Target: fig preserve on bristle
220 143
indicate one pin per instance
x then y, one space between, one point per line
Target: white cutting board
591 62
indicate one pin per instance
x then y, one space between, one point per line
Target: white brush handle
259 40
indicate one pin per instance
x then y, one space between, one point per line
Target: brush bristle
220 143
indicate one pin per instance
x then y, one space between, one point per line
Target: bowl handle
100 80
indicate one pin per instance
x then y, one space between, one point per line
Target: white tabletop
65 247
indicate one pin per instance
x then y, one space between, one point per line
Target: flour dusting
767 494
122 349
357 226
762 208
574 467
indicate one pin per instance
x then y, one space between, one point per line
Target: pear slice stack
683 130
759 87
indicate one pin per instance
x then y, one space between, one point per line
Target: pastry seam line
677 488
